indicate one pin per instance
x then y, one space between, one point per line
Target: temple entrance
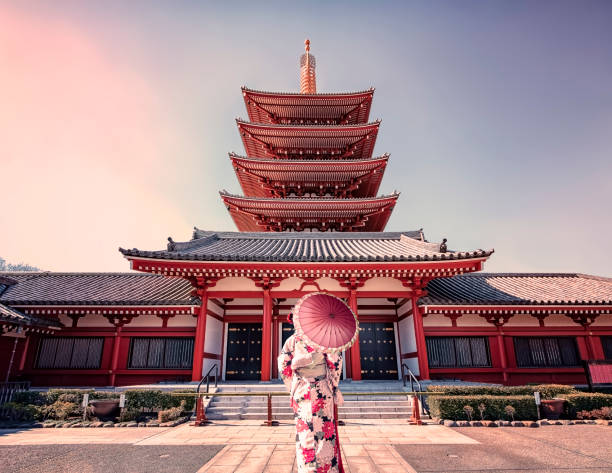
377 347
243 352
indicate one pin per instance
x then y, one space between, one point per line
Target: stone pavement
250 447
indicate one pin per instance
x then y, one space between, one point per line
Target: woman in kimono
312 380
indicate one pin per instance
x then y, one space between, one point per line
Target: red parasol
325 322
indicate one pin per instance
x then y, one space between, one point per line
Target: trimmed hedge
151 400
585 402
452 407
547 391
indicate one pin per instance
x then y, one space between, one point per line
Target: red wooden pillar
115 357
266 338
355 351
503 357
200 336
24 353
275 347
419 334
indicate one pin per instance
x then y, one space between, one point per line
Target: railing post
200 413
270 422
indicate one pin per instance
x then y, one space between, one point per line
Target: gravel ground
558 449
111 458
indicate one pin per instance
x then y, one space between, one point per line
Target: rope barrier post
270 422
415 418
200 413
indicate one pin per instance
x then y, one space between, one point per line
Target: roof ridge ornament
308 78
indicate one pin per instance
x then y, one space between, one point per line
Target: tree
4 266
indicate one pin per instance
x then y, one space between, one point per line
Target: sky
116 119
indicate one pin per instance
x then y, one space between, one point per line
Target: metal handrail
207 378
410 375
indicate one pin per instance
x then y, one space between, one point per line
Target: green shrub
16 412
173 413
128 415
585 402
453 407
148 400
35 398
603 413
61 410
67 395
547 391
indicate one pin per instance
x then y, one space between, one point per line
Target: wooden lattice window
70 353
161 353
458 352
536 352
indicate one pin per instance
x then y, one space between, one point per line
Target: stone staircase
245 407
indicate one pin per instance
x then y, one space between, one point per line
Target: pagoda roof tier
347 108
280 178
301 213
308 141
304 247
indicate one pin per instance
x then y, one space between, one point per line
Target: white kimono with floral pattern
317 450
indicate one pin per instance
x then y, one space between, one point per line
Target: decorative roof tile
306 247
45 288
519 288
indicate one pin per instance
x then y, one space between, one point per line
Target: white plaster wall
214 335
327 284
413 365
147 320
523 320
235 284
472 320
405 326
603 321
437 320
182 320
559 320
293 284
64 319
383 284
207 364
92 320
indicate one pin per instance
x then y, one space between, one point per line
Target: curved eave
268 177
309 128
309 141
493 307
263 93
204 259
309 203
271 107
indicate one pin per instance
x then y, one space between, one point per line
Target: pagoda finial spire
308 77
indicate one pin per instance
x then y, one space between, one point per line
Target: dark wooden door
287 331
377 348
243 352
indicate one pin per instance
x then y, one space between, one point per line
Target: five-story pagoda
309 163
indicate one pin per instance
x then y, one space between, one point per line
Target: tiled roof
280 107
12 316
306 247
253 214
44 288
518 288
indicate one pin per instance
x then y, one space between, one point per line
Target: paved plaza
247 447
